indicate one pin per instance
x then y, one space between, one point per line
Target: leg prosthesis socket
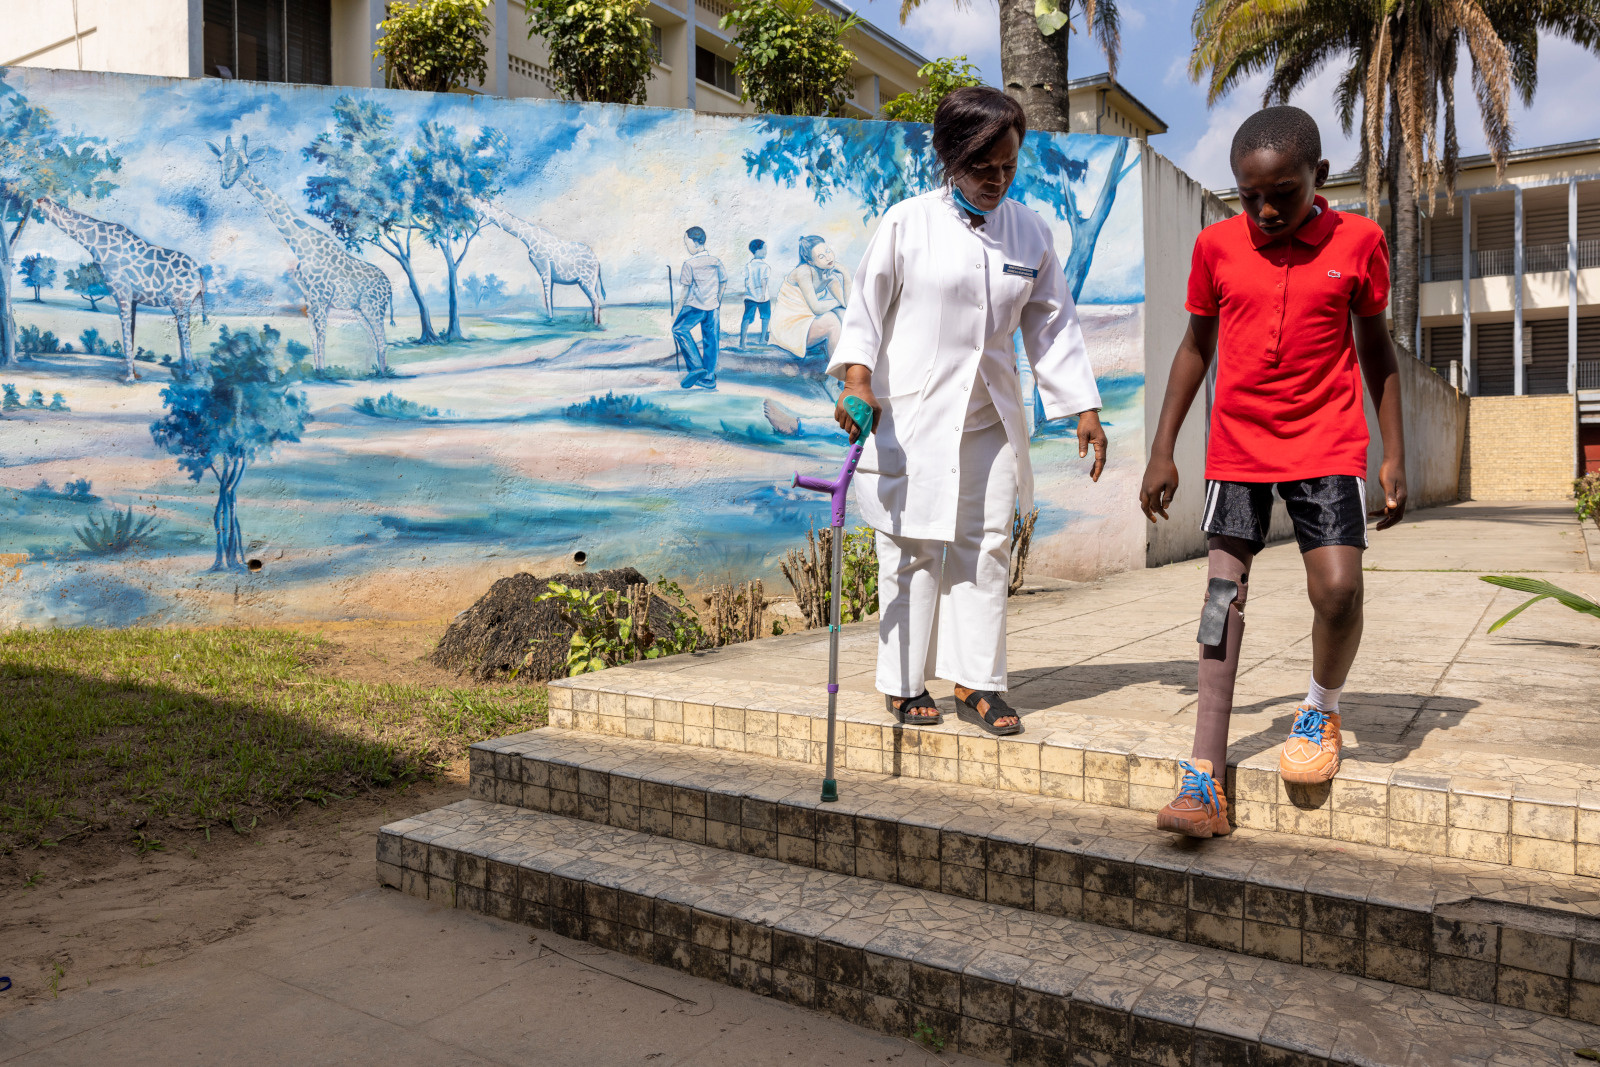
1220 592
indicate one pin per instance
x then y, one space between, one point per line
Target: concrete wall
1435 420
530 437
1520 448
1176 209
129 36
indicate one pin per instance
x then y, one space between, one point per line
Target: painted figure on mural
757 292
811 302
701 281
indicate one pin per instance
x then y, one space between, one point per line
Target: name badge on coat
1019 271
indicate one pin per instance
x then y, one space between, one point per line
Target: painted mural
283 352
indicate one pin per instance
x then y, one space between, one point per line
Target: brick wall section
1520 448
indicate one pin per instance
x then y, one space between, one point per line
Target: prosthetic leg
1201 808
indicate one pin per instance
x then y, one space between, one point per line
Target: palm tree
1400 60
1033 51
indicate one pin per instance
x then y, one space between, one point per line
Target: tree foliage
37 271
451 174
943 76
367 193
89 282
600 50
792 58
38 160
224 415
434 45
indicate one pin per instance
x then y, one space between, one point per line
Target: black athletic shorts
1331 510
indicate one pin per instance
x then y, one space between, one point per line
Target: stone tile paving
997 982
1523 938
1459 743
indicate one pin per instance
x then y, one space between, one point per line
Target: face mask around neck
963 203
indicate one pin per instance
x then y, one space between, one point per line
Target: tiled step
1530 813
993 981
1523 938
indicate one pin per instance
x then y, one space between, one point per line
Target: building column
1469 383
1572 285
375 15
1518 377
689 36
499 82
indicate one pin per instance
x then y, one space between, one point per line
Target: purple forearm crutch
839 490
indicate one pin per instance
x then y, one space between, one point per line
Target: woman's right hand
857 383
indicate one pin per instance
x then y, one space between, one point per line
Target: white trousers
943 603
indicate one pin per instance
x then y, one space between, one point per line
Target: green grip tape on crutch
860 413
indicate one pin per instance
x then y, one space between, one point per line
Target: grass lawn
151 732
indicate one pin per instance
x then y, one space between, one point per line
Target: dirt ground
76 915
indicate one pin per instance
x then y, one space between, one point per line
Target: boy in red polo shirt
1292 294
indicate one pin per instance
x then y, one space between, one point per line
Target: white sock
1323 698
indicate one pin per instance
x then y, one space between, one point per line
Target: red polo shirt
1288 399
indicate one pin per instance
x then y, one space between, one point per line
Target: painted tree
367 194
38 160
89 282
792 58
38 271
223 416
600 50
1400 67
451 173
434 45
489 289
1033 51
882 163
942 77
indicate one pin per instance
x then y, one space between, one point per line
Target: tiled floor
1435 708
997 980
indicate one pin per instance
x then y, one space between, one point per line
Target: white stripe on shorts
1211 506
1361 486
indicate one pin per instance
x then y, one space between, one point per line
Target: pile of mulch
491 639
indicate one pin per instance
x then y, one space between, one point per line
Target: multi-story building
1509 301
330 42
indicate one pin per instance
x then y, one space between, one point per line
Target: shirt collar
1311 232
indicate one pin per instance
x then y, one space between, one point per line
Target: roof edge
1105 79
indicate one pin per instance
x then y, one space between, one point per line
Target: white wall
1175 211
123 36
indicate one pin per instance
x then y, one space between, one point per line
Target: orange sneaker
1200 809
1311 754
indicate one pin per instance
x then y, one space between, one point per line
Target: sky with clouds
1155 53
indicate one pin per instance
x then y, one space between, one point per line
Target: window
268 40
714 70
655 42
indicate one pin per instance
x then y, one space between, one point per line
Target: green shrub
1587 492
792 60
600 50
944 76
610 628
434 45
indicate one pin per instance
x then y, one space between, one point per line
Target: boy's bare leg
1333 580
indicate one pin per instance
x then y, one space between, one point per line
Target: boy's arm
1375 349
1189 368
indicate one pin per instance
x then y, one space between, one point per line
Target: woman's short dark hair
967 124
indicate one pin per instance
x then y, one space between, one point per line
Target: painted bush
356 353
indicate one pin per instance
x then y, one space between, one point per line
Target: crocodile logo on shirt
1334 274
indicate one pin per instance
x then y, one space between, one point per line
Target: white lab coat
932 301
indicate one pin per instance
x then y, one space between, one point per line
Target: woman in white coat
946 282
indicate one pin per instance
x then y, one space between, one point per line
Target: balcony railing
1499 262
1589 374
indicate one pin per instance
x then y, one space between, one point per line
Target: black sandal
919 710
998 709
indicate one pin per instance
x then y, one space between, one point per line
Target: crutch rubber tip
830 790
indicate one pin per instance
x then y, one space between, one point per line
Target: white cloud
938 29
1207 160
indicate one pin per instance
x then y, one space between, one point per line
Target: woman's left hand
1090 432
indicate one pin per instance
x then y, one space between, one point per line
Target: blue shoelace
1197 784
1309 725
